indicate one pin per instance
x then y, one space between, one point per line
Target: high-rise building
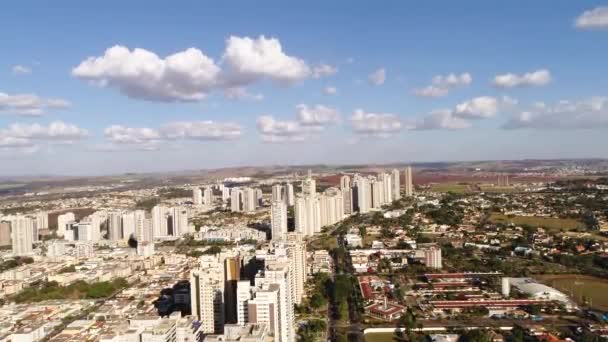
331 206
432 258
296 251
208 196
42 220
225 193
277 193
243 295
396 185
128 225
363 191
143 227
5 233
278 219
207 295
236 197
64 222
289 194
98 221
264 309
179 221
280 273
409 186
232 272
22 229
309 186
160 215
347 194
307 212
115 226
197 196
388 187
377 192
250 199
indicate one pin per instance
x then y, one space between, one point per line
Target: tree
476 335
317 301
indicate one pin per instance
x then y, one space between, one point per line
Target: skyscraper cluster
202 196
21 231
219 296
245 199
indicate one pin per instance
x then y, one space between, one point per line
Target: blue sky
308 82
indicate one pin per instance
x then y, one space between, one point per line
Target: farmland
551 223
582 289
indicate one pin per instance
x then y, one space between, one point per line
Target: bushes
77 290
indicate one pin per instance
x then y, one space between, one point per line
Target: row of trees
76 290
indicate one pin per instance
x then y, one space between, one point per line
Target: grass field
498 189
550 223
579 286
451 187
380 337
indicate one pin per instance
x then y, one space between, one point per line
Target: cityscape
215 172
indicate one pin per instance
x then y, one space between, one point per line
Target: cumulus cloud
375 124
184 76
589 113
21 70
482 107
241 93
273 130
440 119
310 120
329 90
190 75
29 136
317 116
119 134
249 60
535 78
596 18
442 84
29 104
377 77
323 70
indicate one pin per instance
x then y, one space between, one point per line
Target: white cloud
272 130
190 75
440 119
590 113
150 138
21 70
249 60
478 108
20 135
310 120
377 77
375 124
317 116
442 84
596 18
184 76
323 70
201 130
240 93
535 78
482 107
329 90
29 104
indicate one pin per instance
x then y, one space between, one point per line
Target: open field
579 286
550 223
8 186
498 189
457 188
380 337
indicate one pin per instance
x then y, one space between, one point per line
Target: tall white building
280 273
225 193
98 220
307 212
235 199
22 229
432 258
128 225
179 220
250 199
409 186
208 196
160 215
197 196
289 194
264 308
388 187
377 191
42 220
278 219
331 205
207 295
114 226
243 295
347 194
277 193
64 222
296 251
396 185
363 196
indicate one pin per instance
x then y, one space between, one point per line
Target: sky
146 86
